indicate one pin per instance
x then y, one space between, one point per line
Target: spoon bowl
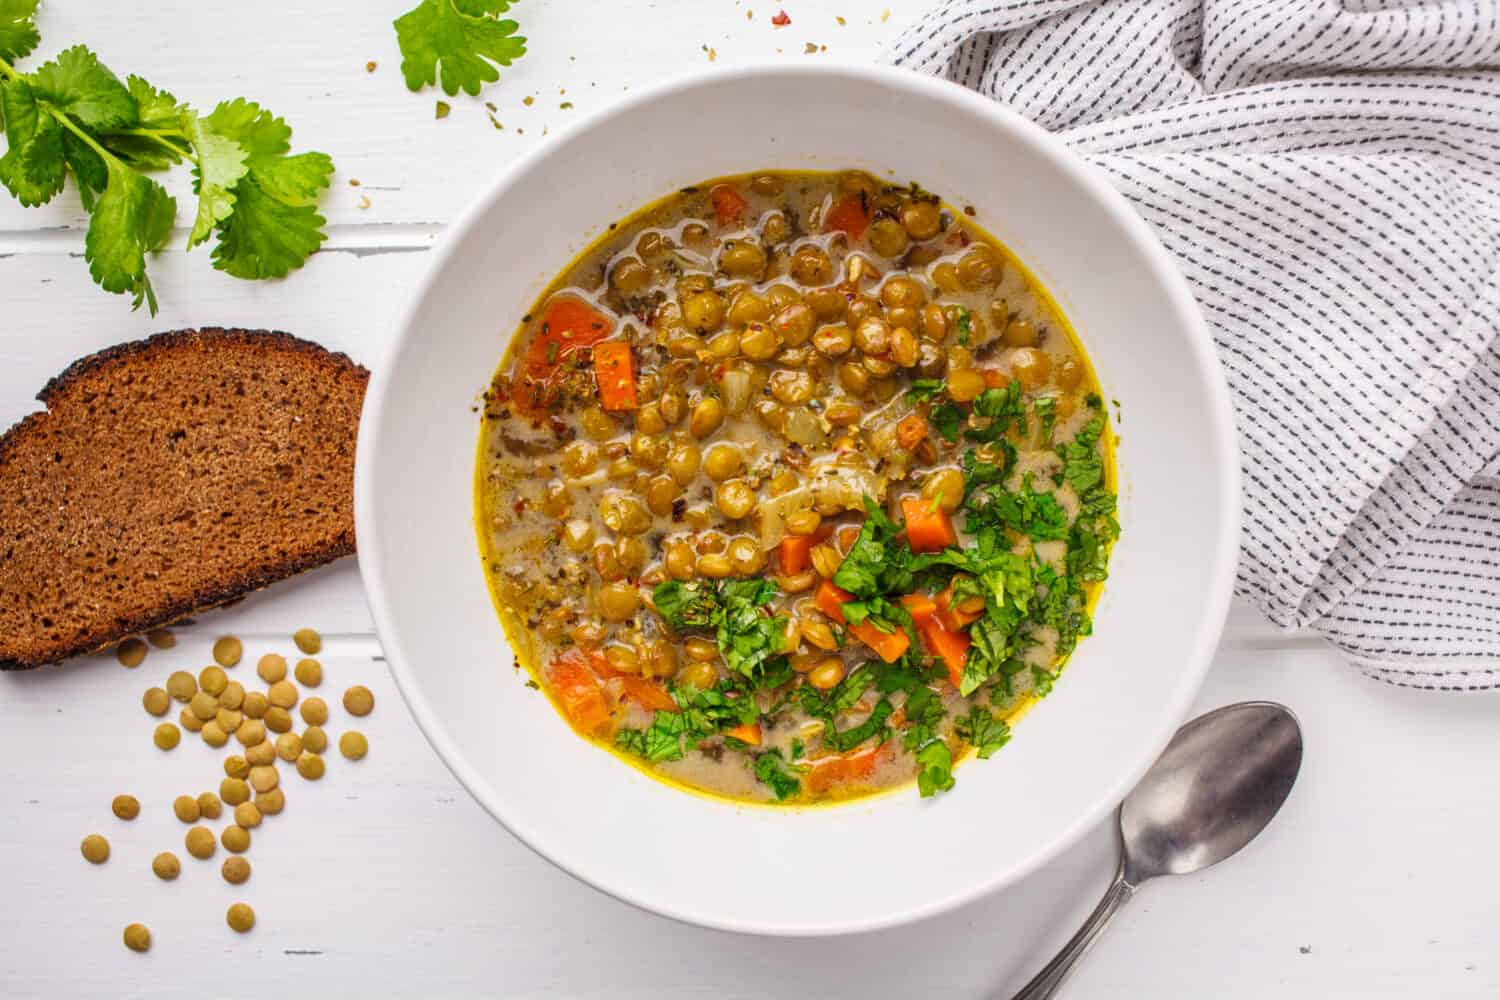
1214 788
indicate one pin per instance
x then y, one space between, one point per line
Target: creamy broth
795 487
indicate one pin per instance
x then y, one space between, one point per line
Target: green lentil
156 701
353 745
240 917
131 653
228 650
166 866
95 849
309 641
125 806
309 673
137 937
167 736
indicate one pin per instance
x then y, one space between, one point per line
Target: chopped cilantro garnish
924 389
983 731
947 418
935 774
748 638
965 326
772 769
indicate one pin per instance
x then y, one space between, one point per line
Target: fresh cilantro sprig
772 769
749 639
73 117
460 42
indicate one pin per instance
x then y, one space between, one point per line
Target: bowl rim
1204 357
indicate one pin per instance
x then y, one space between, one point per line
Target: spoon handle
1046 982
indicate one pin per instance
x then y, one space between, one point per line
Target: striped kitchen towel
1328 176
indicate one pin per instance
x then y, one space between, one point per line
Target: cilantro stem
67 122
7 70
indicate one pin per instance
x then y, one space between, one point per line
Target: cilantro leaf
748 639
132 218
877 563
462 39
1003 407
947 418
1046 411
848 739
1037 515
220 163
983 731
34 166
771 769
923 389
78 85
275 225
159 140
18 34
935 774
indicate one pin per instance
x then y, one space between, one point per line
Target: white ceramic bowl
821 870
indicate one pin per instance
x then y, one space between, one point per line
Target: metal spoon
1214 788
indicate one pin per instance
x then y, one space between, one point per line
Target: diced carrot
729 204
830 598
911 431
648 694
598 663
889 646
846 536
794 553
567 324
849 215
919 606
996 378
950 647
614 370
928 527
577 691
955 619
859 766
746 734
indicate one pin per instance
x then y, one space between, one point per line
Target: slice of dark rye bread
169 475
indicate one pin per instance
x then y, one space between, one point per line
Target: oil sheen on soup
795 487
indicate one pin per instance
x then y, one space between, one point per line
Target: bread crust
235 583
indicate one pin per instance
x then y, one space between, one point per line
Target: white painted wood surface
1378 880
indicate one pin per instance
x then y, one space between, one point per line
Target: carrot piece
955 619
648 694
889 646
749 733
794 553
911 431
614 370
996 378
729 204
848 215
950 647
859 766
567 324
927 529
920 606
577 692
830 598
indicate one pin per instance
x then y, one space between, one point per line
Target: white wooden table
1378 879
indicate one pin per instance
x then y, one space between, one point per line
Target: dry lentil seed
272 802
247 815
233 696
234 791
186 808
189 721
213 680
251 732
283 694
255 704
131 653
236 839
95 849
204 705
288 746
182 685
314 739
309 672
235 870
278 719
209 806
125 806
353 745
310 766
271 668
199 842
264 778
167 736
261 754
156 701
308 640
235 766
213 734
228 650
229 719
166 866
315 711
240 917
137 937
358 700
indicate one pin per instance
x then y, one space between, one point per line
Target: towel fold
1328 177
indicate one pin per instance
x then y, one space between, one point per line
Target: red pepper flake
781 20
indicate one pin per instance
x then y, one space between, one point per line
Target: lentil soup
795 487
